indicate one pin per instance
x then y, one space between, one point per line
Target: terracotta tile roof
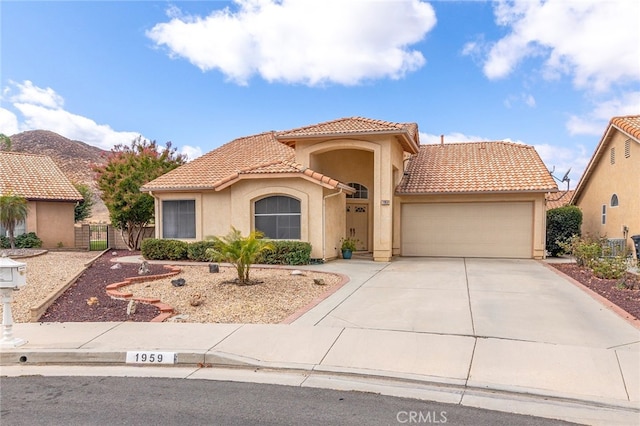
476 167
251 155
223 163
34 177
558 199
630 125
355 126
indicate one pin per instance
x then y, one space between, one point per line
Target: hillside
75 159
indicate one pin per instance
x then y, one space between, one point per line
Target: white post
8 341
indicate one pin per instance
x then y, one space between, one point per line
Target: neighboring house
559 199
609 190
51 197
366 179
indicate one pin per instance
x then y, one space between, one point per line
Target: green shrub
610 268
562 224
160 249
4 242
286 253
198 251
585 250
28 240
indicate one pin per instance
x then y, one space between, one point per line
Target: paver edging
635 322
165 310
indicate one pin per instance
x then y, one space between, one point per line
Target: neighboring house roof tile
559 199
354 126
629 125
34 177
475 167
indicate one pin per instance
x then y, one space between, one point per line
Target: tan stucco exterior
52 221
369 159
603 179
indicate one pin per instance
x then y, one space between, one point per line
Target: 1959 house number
151 357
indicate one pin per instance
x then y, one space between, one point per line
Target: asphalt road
37 400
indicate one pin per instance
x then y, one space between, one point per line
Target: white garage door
468 229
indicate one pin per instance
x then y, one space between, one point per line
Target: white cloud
296 41
192 152
41 109
563 159
593 41
595 122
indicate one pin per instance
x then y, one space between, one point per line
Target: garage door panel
468 229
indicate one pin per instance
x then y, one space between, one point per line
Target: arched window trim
362 192
615 202
279 219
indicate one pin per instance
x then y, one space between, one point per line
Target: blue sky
200 73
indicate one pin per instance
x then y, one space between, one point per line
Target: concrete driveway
501 298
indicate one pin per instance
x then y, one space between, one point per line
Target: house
608 192
366 179
51 197
559 199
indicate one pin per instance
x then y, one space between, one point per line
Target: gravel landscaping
279 295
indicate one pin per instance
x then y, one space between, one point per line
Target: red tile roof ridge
629 124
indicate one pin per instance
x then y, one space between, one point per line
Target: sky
550 74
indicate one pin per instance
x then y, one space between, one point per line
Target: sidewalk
594 382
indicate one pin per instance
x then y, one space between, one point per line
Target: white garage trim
484 229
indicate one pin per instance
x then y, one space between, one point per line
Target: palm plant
13 210
240 251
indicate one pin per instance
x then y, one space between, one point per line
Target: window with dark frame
604 214
614 200
361 191
178 219
278 217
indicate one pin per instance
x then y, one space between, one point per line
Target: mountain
75 159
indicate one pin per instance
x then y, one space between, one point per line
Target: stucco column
383 205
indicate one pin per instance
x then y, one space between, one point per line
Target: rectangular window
604 214
21 228
179 219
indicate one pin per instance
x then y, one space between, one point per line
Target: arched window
361 191
614 200
278 217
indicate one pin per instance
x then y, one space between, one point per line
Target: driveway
512 299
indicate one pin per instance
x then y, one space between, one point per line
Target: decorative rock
214 268
93 301
178 282
116 266
131 307
319 281
196 299
114 253
144 268
179 317
297 272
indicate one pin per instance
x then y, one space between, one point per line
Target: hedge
562 224
158 249
28 240
287 253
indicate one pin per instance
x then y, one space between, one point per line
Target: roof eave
291 141
517 191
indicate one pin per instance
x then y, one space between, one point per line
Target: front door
358 224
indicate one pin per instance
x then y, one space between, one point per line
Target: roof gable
629 125
408 132
34 177
475 167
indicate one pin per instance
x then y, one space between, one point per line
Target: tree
84 208
240 251
5 142
126 170
13 210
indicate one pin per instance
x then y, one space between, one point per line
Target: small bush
562 224
198 251
4 242
610 268
160 249
29 240
585 250
286 253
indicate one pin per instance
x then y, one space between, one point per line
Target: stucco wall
53 223
621 178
